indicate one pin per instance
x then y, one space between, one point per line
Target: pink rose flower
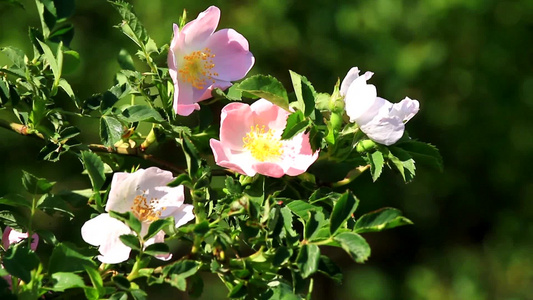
200 60
12 236
144 193
381 120
250 141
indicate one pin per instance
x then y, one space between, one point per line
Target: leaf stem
351 176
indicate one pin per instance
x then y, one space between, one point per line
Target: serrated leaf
305 93
52 61
307 260
95 169
15 55
157 226
342 211
403 163
315 222
110 130
131 26
14 220
35 185
301 208
65 280
15 200
53 203
183 268
128 218
267 87
327 267
157 249
131 241
381 219
355 245
96 280
139 113
376 164
292 128
67 258
423 153
279 291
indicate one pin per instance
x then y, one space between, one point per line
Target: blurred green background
469 63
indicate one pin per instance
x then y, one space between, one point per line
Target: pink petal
104 231
232 58
235 122
198 30
270 115
12 236
184 101
171 58
269 169
206 93
225 158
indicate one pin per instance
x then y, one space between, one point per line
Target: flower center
263 146
197 67
144 210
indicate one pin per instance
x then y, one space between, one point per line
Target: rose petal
405 109
384 130
232 58
270 115
225 158
198 30
362 103
159 238
269 169
104 231
236 120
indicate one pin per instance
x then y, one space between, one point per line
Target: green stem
135 270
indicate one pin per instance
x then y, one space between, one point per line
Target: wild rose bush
252 196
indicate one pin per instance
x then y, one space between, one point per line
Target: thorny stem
130 151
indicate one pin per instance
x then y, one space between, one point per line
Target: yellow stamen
197 67
144 210
263 146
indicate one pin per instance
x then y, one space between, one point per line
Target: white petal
104 231
362 103
353 73
183 214
159 238
384 130
405 109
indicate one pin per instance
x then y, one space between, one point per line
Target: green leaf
381 219
180 179
15 55
110 130
327 267
15 200
376 164
139 113
131 241
54 63
13 219
131 26
279 291
403 163
47 14
423 153
315 222
95 169
292 128
281 255
157 226
191 155
129 219
66 258
125 60
342 211
63 83
355 245
96 280
71 61
19 261
301 208
53 203
268 87
305 93
65 280
157 249
184 268
121 282
307 260
36 185
119 296
237 291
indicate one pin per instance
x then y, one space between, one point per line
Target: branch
130 151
